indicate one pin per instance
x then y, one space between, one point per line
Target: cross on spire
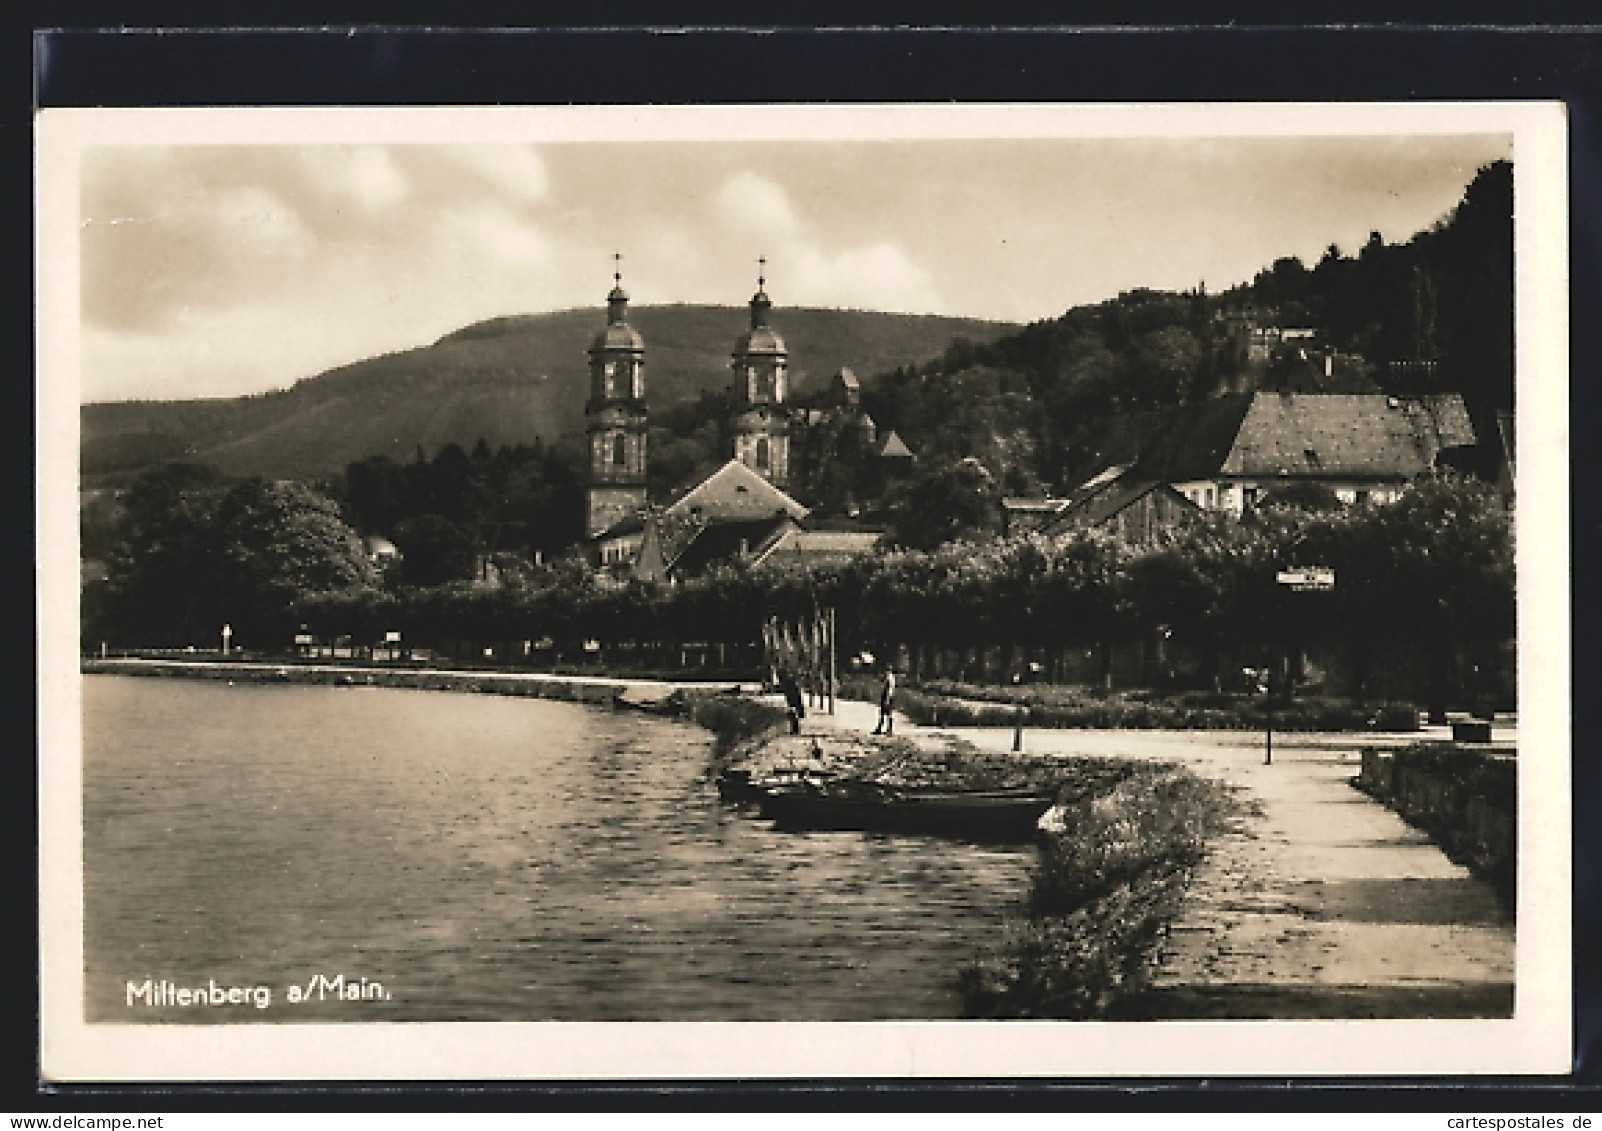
762 268
617 263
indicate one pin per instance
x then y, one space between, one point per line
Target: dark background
1114 54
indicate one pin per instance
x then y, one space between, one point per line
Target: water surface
488 858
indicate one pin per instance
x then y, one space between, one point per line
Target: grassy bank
953 704
1105 890
1465 798
734 720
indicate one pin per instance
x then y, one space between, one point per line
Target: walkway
1321 903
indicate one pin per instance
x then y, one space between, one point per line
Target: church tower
759 420
615 417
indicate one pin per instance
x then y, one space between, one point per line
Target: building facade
759 427
615 419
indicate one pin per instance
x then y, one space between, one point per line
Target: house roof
1293 434
1018 505
894 446
848 378
723 541
1347 434
622 528
817 547
734 491
1103 497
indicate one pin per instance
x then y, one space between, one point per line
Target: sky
218 270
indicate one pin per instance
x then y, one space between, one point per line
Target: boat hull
994 815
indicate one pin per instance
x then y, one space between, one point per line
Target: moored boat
978 813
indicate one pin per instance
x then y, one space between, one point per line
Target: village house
1233 451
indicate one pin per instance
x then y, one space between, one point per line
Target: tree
434 550
1304 495
958 501
1162 367
280 542
162 585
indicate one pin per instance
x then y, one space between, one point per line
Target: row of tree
1423 605
450 513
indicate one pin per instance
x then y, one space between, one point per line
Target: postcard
803 591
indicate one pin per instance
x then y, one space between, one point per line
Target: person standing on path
887 695
792 700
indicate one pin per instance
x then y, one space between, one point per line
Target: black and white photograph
691 591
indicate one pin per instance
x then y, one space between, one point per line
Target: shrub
1144 824
1397 717
1105 890
1080 966
732 718
948 703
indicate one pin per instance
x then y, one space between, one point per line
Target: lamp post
1262 678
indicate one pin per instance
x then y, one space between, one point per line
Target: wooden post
831 662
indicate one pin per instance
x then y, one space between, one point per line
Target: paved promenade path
1321 902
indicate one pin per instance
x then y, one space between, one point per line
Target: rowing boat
977 813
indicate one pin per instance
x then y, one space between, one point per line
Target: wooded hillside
507 381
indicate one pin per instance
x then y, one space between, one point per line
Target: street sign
1309 577
391 638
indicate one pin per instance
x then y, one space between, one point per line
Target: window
620 450
762 454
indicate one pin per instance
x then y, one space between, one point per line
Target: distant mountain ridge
507 380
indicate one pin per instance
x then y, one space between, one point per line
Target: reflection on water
487 858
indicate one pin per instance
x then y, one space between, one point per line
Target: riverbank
1318 902
605 690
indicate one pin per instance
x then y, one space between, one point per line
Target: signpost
1303 579
1307 578
227 634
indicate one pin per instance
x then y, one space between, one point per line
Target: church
741 511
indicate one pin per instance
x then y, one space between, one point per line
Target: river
485 858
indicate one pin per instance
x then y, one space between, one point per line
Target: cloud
367 175
260 223
757 204
877 277
495 233
516 171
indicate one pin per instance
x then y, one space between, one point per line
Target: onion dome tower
615 418
759 424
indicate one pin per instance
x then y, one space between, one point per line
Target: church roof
734 491
759 340
617 336
724 541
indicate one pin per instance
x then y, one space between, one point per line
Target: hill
508 380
